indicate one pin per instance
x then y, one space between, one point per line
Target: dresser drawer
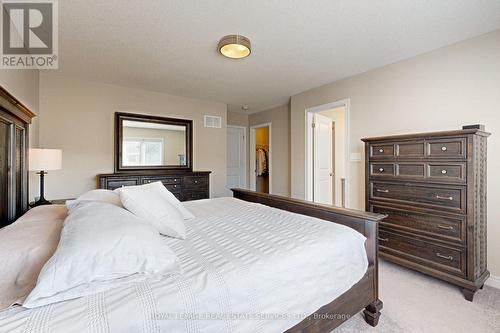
439 172
444 258
439 226
164 180
195 182
382 169
381 150
447 148
414 170
410 149
447 172
173 187
438 197
114 183
178 195
195 195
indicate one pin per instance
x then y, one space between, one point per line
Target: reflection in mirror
153 144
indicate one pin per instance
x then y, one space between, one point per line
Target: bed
252 263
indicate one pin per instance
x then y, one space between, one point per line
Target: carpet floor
416 303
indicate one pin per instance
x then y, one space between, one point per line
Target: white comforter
246 268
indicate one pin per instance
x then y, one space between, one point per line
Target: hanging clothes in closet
262 161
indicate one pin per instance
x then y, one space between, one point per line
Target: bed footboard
364 294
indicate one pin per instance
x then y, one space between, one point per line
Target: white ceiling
170 46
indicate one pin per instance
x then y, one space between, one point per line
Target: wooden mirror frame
120 117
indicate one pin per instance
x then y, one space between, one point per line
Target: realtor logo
29 34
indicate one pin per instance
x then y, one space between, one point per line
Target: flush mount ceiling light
235 46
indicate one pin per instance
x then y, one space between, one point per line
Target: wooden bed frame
364 294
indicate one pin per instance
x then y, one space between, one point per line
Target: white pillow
169 196
186 214
25 246
102 246
96 195
151 203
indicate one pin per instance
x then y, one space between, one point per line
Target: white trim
346 103
493 281
245 146
252 156
309 157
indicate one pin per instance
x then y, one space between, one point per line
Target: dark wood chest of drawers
432 186
185 185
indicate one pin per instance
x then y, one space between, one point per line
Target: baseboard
493 281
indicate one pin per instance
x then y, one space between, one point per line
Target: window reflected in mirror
153 144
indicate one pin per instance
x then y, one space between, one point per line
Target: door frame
346 103
245 150
253 176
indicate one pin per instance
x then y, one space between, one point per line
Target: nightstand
54 202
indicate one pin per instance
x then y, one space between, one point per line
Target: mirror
150 142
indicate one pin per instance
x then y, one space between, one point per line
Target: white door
236 155
323 170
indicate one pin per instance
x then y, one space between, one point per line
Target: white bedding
238 259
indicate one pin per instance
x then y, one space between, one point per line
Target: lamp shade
45 159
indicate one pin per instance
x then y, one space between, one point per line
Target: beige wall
78 118
237 119
440 90
23 84
280 145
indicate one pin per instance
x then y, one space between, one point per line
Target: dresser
14 126
185 185
432 186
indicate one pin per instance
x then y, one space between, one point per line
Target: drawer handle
175 186
444 257
383 239
382 191
446 227
196 182
380 150
381 170
444 172
444 198
444 148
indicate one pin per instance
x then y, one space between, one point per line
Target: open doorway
260 158
327 153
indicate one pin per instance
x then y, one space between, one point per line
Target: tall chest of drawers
432 186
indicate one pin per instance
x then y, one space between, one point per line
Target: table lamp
43 160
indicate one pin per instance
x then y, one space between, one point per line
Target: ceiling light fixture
235 46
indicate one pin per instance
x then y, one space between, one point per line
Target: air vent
213 122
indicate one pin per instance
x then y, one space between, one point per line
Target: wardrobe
14 128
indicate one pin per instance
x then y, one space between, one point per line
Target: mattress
245 268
